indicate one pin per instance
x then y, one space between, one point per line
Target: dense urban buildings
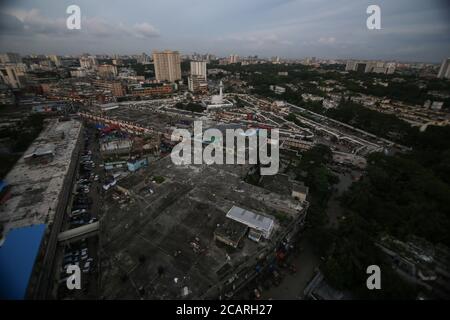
107 124
370 66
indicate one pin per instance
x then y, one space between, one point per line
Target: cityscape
94 207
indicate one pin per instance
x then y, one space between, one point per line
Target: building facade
167 65
13 75
197 81
444 71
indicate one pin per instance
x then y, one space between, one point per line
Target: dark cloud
10 24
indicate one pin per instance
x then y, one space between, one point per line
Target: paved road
89 280
293 285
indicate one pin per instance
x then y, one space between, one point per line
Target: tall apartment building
233 58
370 66
390 67
198 68
444 71
107 71
167 65
10 57
351 65
197 81
13 75
88 62
56 60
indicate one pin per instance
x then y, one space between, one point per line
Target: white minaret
220 90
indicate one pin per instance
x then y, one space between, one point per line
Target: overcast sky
412 30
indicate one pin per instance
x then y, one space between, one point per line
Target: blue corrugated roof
17 256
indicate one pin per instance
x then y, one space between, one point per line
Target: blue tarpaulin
3 184
99 126
17 256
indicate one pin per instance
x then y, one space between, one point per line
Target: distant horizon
222 57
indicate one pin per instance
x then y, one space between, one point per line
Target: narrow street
306 260
292 285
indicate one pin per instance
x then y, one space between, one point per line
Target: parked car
79 211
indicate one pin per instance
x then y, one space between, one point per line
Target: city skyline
411 30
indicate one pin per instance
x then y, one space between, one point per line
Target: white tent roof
251 219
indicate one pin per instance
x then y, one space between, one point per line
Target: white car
79 211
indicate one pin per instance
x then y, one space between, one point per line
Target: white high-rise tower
197 81
444 71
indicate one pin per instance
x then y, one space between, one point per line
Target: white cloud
145 30
257 39
327 40
33 23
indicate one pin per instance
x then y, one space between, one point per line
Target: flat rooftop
36 185
148 114
162 242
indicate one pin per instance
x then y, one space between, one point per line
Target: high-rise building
88 62
107 71
56 60
444 71
167 65
351 65
198 68
197 81
370 66
13 75
197 84
10 57
233 58
85 63
361 67
390 67
117 62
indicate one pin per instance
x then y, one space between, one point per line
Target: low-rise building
260 225
150 89
299 191
277 89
